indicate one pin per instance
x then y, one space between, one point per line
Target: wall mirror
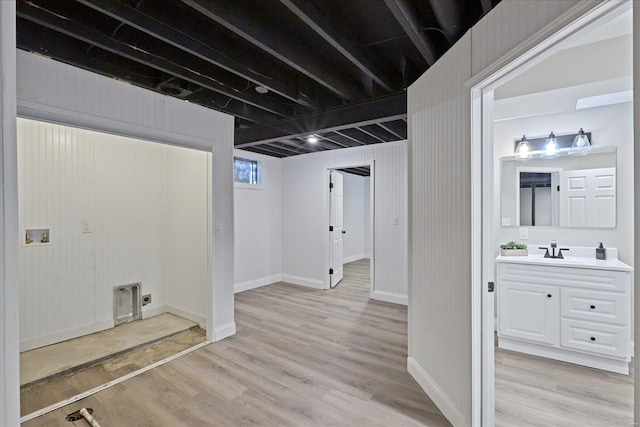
566 191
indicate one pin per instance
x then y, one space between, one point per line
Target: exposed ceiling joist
168 34
307 12
370 134
377 110
389 129
348 137
448 16
89 35
405 17
260 34
486 6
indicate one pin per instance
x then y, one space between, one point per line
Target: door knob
344 232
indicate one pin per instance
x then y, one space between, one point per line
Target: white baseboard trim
155 311
200 320
355 258
224 331
303 281
390 297
436 394
252 284
65 335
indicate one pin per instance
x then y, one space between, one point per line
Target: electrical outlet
146 299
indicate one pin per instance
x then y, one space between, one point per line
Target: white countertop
568 261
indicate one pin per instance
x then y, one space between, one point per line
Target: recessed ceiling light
261 89
312 140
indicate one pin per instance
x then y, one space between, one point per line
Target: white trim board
200 320
303 281
353 258
65 335
436 394
224 331
390 297
256 283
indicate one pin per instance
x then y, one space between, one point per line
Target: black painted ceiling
285 69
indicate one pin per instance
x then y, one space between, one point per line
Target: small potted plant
514 248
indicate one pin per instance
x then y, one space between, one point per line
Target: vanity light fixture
551 147
523 151
581 144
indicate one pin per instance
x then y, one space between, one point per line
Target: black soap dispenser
601 252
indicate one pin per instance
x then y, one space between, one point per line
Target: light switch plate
523 233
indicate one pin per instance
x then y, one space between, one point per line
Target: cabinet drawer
595 306
608 340
582 278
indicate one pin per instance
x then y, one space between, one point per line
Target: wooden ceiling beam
260 34
405 17
167 33
311 16
378 110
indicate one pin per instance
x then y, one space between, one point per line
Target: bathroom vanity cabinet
575 310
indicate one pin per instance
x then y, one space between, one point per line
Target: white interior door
588 198
336 228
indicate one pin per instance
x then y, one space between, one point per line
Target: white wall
305 211
612 126
440 317
147 207
55 92
258 226
188 226
9 341
356 216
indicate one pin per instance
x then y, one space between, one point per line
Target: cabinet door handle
593 338
548 295
593 307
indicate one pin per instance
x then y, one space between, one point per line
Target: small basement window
246 171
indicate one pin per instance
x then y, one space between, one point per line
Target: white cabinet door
529 312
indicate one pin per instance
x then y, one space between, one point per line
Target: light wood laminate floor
300 357
536 391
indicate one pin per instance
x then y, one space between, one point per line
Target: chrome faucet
553 254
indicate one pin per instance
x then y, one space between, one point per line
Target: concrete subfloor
46 362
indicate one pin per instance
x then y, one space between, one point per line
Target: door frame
575 23
554 197
327 222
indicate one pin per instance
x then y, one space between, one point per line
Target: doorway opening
546 90
117 279
350 219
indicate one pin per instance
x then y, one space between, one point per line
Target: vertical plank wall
636 204
146 204
440 295
56 187
440 198
186 198
9 361
56 92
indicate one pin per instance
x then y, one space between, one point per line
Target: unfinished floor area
57 372
300 357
